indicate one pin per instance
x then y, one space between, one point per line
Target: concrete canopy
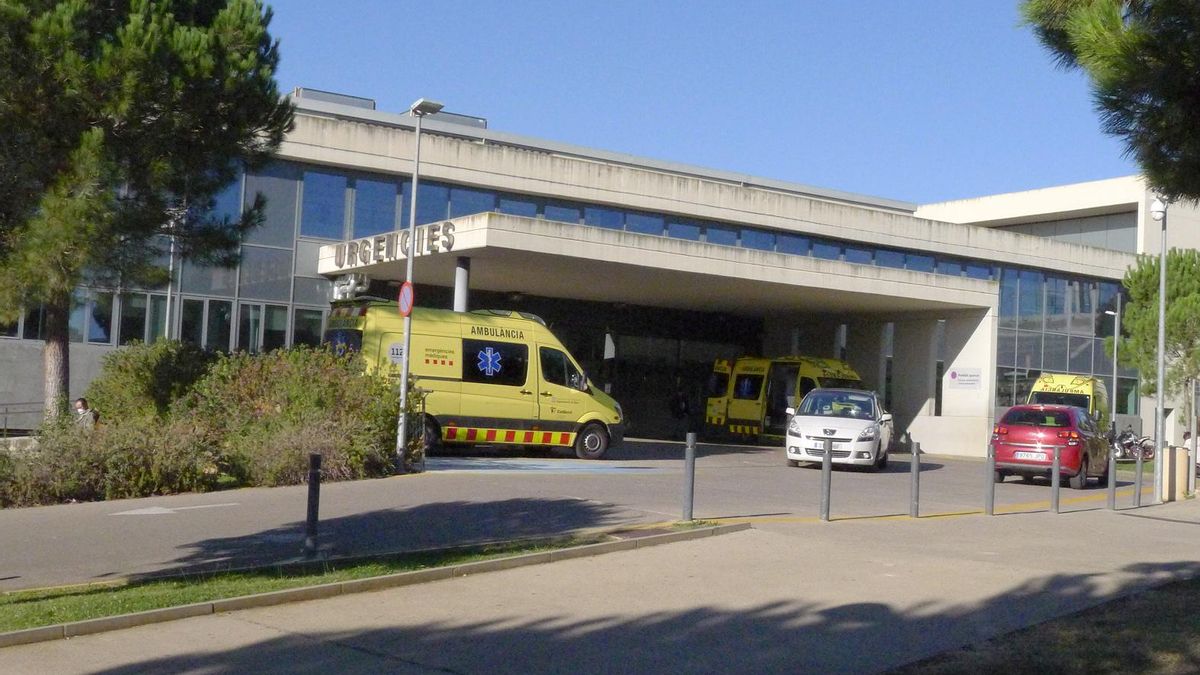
537 257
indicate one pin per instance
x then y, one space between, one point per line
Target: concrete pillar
462 278
914 370
864 352
968 383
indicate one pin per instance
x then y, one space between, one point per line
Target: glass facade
1047 321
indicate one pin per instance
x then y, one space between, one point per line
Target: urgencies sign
394 246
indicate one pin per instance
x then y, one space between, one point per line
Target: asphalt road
472 499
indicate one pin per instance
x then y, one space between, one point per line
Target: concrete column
864 352
914 370
462 278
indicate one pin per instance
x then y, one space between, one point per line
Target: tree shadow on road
418 528
795 635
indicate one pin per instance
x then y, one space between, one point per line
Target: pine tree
1139 320
120 121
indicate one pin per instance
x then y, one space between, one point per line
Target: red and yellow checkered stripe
715 420
520 436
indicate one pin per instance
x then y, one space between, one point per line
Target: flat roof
327 109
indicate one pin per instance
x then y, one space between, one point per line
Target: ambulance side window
807 384
747 387
558 369
489 362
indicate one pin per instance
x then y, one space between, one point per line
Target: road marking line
162 510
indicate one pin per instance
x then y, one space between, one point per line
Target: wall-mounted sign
965 378
432 238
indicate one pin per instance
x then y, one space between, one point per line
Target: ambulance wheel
592 442
432 436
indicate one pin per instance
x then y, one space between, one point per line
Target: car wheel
592 442
793 462
881 458
1079 480
998 476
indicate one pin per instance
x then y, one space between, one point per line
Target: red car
1023 443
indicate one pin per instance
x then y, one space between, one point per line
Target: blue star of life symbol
489 362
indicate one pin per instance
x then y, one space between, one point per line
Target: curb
122 621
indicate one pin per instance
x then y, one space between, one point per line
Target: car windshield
1059 398
837 404
1036 418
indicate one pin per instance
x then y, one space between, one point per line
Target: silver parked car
854 421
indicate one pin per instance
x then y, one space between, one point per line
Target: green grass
46 607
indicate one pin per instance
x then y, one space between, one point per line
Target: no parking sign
406 299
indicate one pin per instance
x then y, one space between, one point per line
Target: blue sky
917 100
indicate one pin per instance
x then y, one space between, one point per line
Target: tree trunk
56 357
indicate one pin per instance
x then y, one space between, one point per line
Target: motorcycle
1126 444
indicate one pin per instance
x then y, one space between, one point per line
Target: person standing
85 416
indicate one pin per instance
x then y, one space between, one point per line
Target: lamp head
424 106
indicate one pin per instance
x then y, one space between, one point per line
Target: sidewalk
849 596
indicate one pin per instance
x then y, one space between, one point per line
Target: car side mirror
886 417
579 381
789 411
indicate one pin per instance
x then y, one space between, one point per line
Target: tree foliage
121 120
1143 57
1139 320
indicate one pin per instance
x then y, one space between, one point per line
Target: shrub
143 380
265 413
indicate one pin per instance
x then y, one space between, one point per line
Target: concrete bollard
1137 481
826 478
989 492
689 475
1112 481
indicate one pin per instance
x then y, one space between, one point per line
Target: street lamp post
1158 211
1112 464
419 110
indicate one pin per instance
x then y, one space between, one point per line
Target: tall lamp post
1158 211
419 110
1112 464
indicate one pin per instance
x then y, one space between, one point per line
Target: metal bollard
314 502
989 500
689 475
1112 481
1055 479
826 477
1137 481
914 493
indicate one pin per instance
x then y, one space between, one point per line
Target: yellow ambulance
757 392
491 377
1081 391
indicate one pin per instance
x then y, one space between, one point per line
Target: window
100 318
517 205
599 216
854 254
34 327
826 250
1081 355
1029 303
191 322
77 320
323 208
918 263
466 201
558 369
219 325
249 327
1008 297
758 239
278 184
747 387
309 291
374 206
1006 347
433 202
561 212
306 327
158 318
228 202
1056 304
275 328
205 280
133 318
1029 350
1054 352
683 229
490 362
949 267
790 243
725 236
886 258
979 271
266 273
1083 306
644 223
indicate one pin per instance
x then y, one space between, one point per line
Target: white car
858 426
